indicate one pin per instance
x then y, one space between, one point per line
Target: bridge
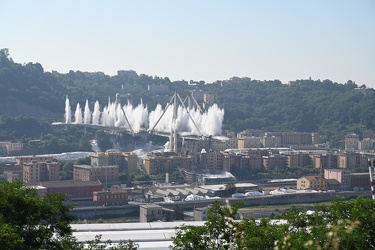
179 119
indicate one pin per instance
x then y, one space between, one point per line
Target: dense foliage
30 222
327 107
39 137
342 225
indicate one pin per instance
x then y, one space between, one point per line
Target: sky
196 40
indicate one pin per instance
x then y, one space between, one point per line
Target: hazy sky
196 40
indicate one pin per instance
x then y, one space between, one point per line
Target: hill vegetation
329 108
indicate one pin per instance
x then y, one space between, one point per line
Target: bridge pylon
173 138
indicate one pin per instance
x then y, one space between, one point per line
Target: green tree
217 233
97 244
123 176
30 222
341 225
84 161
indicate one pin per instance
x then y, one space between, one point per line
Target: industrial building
113 197
72 189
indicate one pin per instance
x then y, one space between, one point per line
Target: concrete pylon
371 167
173 137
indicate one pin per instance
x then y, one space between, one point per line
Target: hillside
12 106
327 107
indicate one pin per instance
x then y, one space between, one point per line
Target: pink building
342 175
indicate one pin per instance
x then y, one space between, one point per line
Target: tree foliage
40 137
28 221
341 225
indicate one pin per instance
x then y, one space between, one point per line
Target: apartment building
124 160
298 160
351 141
33 172
231 162
11 147
366 144
352 161
219 145
250 142
271 141
164 163
213 161
104 174
324 160
274 161
295 138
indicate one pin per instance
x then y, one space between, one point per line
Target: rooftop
150 206
90 167
311 177
68 183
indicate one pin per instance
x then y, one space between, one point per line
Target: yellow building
312 182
